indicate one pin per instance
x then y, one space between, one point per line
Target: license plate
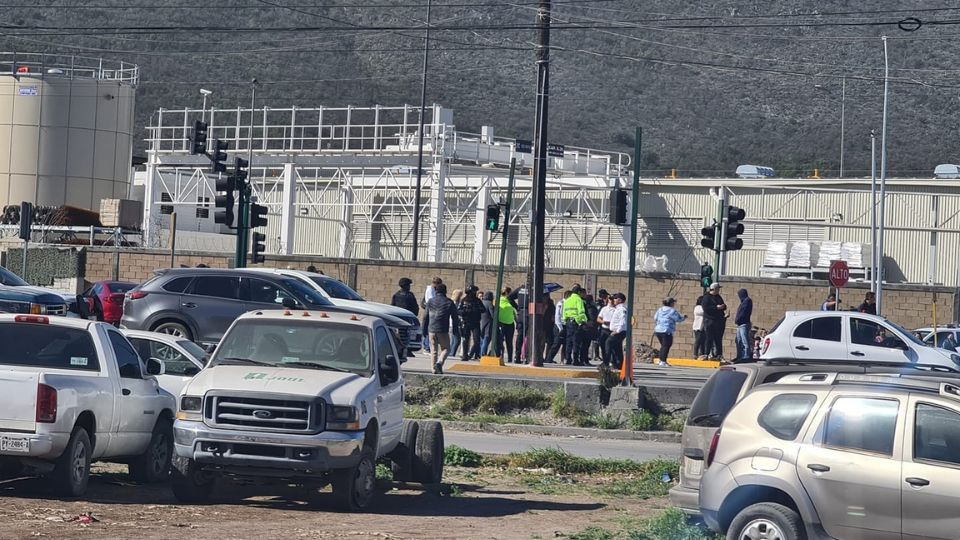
694 467
14 445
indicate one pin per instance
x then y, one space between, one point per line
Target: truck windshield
47 346
300 344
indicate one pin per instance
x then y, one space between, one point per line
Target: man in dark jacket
714 319
742 320
443 318
470 311
486 324
869 304
404 298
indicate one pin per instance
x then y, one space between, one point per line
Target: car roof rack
921 383
858 363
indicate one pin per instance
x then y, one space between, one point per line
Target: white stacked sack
776 254
829 251
852 252
800 255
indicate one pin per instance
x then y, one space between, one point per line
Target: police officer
574 317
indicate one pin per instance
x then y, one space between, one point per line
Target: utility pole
535 305
245 190
843 115
423 105
873 211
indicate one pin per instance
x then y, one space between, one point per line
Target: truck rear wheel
190 485
71 474
154 464
354 488
401 459
428 457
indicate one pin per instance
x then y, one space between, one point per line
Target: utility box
123 213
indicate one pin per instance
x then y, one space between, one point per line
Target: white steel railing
26 64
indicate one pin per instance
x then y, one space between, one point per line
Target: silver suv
838 455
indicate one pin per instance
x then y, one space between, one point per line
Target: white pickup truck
74 391
301 397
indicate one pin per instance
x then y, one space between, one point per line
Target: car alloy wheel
158 454
761 529
78 465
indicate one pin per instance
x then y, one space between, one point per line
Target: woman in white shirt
699 339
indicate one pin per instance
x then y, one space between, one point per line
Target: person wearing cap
714 320
404 298
599 336
604 318
618 331
665 324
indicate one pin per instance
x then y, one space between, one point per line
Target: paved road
498 443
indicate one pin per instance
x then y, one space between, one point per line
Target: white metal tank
66 129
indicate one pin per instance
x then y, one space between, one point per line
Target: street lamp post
843 114
204 92
883 180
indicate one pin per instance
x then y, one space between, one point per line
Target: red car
105 300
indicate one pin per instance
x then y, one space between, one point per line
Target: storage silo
66 129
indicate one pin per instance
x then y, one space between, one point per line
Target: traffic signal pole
503 260
627 368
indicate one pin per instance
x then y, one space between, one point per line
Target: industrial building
341 182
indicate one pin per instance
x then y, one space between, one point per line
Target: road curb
564 431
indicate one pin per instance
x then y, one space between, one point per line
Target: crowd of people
584 330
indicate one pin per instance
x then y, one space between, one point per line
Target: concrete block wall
908 305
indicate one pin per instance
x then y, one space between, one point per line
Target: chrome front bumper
287 454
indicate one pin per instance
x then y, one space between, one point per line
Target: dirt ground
473 504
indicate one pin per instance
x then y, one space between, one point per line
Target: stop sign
839 273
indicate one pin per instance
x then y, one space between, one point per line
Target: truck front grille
261 413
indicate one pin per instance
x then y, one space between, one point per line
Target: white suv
850 336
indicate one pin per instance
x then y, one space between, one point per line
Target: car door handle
188 305
816 467
379 399
917 482
125 391
857 353
802 348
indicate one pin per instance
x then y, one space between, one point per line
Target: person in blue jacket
665 324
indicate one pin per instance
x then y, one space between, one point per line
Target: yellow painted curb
491 361
524 371
685 362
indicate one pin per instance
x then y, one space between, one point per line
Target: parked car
74 391
105 300
18 296
941 335
199 304
340 294
828 455
182 359
848 335
724 389
313 399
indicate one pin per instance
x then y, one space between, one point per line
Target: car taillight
136 295
116 298
46 404
32 319
766 346
713 447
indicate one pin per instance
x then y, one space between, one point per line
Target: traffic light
734 228
706 275
618 207
493 218
709 239
240 170
198 138
258 216
224 201
219 156
257 246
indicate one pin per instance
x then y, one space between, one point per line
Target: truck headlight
343 418
190 408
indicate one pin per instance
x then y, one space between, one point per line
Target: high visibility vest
573 309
